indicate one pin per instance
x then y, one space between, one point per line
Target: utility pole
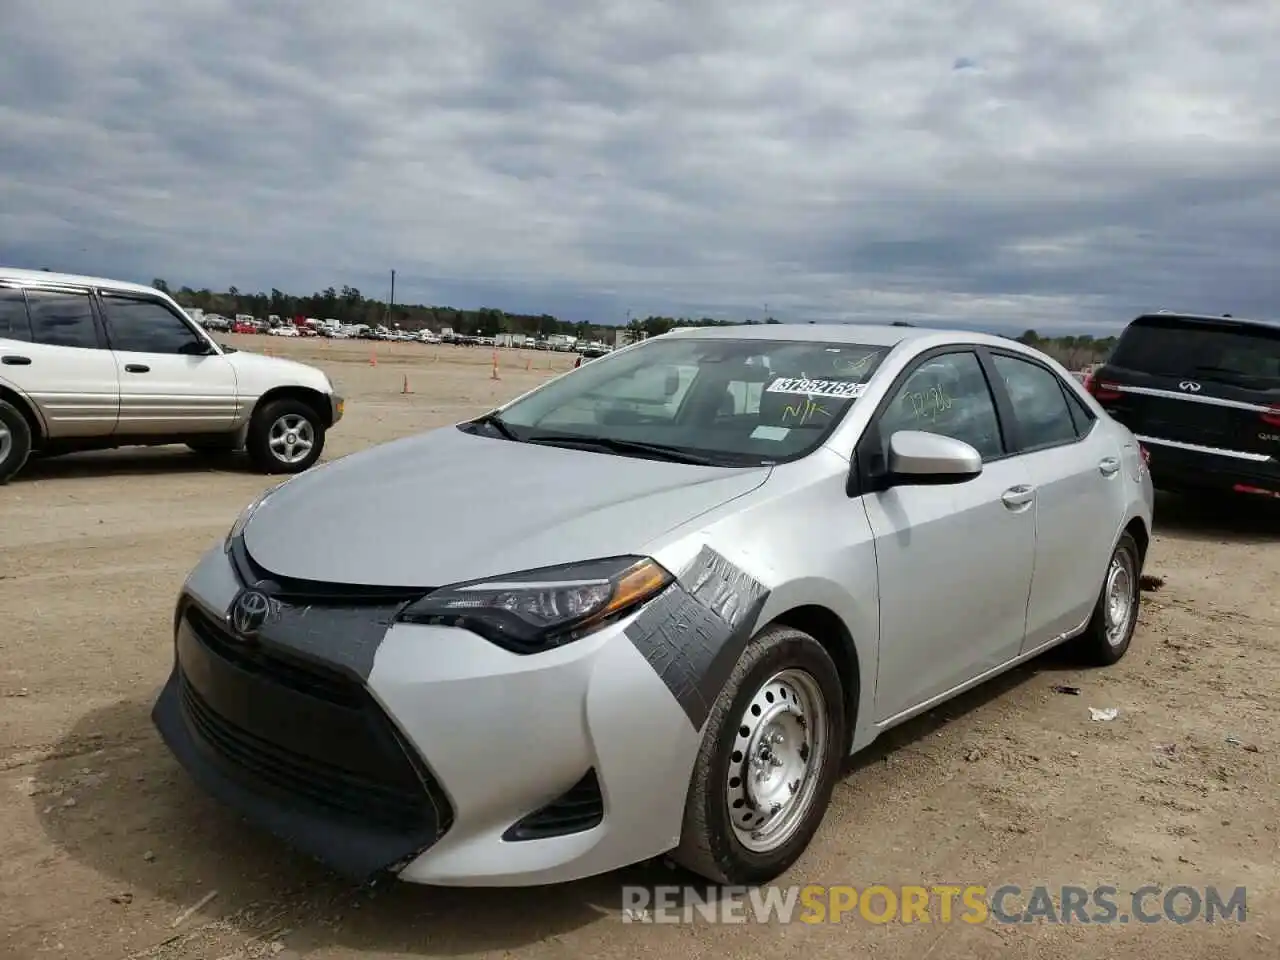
392 301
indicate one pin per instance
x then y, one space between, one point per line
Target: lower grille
577 810
307 735
333 788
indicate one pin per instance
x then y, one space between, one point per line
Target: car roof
35 277
1208 319
865 334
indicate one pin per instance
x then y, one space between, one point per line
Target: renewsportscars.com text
934 903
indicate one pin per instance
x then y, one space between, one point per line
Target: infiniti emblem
249 612
1190 386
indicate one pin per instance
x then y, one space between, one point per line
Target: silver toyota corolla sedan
650 606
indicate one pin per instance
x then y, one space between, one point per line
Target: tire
15 441
779 660
270 428
1110 631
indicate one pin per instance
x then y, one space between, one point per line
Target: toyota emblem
249 612
1190 386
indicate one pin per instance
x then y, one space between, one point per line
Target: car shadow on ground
150 833
131 461
138 821
1241 518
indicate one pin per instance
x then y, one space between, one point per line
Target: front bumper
438 757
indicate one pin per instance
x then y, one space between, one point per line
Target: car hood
448 506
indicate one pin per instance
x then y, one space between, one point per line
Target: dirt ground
105 844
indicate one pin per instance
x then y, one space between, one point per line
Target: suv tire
15 441
279 433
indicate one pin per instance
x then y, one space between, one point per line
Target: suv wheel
15 441
285 436
770 755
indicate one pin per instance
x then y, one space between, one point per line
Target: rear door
1201 382
61 361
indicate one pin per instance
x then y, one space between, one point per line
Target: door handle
15 361
136 368
1109 466
1017 497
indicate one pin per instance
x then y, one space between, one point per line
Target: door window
62 319
947 395
148 326
1039 404
13 315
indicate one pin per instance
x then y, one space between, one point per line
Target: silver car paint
943 579
448 506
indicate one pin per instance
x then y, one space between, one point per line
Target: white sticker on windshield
766 432
844 389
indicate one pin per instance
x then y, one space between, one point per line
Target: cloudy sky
1003 163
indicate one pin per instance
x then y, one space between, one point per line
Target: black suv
1202 394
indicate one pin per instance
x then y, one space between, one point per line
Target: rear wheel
285 436
769 759
1107 637
15 441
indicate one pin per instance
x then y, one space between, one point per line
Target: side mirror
917 457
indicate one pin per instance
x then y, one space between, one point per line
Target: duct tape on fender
693 635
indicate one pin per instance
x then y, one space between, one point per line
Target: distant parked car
781 542
87 363
1203 396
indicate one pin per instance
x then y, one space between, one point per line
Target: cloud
1003 163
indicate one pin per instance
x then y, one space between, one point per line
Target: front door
170 382
52 351
954 561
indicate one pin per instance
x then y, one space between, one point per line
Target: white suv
90 364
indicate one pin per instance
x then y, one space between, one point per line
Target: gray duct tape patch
695 632
346 638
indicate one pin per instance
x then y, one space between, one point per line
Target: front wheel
1115 616
285 436
769 759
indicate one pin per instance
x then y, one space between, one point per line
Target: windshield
1199 349
728 402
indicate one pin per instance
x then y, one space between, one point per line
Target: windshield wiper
609 444
495 420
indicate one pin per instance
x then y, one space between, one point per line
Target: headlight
246 515
540 609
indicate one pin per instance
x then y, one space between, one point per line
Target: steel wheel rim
291 438
1118 601
6 443
779 750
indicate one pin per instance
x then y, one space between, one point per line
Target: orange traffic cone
373 358
405 388
494 374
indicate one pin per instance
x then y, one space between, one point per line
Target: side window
948 395
62 319
148 326
1039 402
1080 413
13 315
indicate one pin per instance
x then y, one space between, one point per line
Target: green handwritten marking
804 412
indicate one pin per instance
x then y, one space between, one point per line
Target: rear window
1199 350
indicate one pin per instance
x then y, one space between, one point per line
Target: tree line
349 306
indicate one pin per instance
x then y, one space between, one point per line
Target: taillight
1146 454
1101 391
1272 416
